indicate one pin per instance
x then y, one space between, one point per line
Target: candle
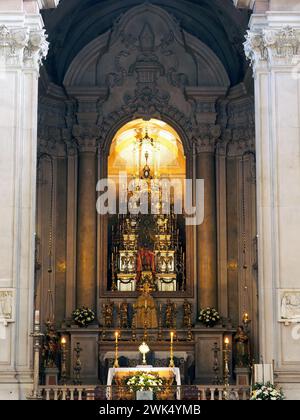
63 341
172 337
37 317
245 317
226 341
117 336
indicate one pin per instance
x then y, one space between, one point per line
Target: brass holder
63 377
36 335
145 337
133 324
189 332
116 362
216 367
159 333
77 365
171 364
226 352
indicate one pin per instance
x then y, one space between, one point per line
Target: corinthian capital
207 137
272 46
22 47
86 137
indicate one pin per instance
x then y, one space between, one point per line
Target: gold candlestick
226 352
63 378
172 364
159 334
116 363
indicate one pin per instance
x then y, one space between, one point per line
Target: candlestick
63 361
226 368
37 317
116 363
171 364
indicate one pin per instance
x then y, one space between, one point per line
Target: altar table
163 372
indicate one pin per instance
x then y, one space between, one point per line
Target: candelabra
116 363
172 364
189 332
63 375
226 352
159 333
133 324
77 365
36 335
216 367
145 338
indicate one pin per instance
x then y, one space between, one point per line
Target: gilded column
207 231
86 289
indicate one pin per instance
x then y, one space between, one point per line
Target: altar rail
103 392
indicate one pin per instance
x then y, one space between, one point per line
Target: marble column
273 46
22 46
86 286
207 231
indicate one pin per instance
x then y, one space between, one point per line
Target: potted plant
268 391
209 317
144 385
83 316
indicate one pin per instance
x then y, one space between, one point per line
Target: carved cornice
22 47
272 46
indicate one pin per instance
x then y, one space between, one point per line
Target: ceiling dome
75 23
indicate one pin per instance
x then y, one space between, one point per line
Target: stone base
13 391
144 395
242 376
51 376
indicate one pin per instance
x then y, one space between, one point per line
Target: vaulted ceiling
75 23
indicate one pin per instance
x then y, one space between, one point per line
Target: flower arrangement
209 317
83 316
143 381
266 391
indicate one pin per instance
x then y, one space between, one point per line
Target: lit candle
245 317
37 317
172 337
63 341
117 336
226 341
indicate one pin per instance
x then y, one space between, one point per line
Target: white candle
172 337
37 317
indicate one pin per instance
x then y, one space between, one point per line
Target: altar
118 375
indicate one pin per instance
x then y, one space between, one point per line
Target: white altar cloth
112 372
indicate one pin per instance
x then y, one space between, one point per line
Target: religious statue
108 314
242 345
145 261
171 312
50 347
187 314
145 310
124 315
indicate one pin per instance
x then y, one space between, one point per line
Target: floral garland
266 391
83 316
209 317
144 381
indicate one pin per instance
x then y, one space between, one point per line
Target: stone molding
22 47
268 47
